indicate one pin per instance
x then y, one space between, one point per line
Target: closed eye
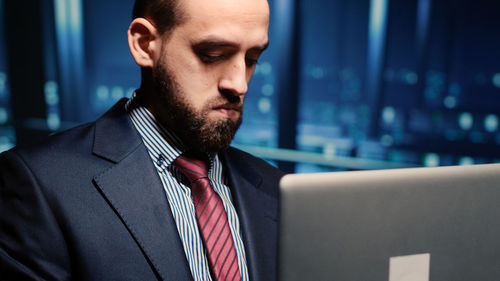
212 52
210 58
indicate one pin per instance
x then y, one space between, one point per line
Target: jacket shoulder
64 143
255 170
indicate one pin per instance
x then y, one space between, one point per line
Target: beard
193 127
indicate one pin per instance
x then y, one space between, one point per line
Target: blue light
53 121
265 68
377 30
60 14
466 161
51 94
450 102
4 116
387 140
264 105
423 19
282 5
68 15
267 90
3 82
329 150
102 93
3 76
389 115
378 16
496 80
411 78
70 48
75 15
318 73
117 93
5 143
491 123
466 121
431 160
376 46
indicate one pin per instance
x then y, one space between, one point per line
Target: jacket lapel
258 215
133 189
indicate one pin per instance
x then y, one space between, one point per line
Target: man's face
202 74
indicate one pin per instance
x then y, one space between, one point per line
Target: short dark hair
165 14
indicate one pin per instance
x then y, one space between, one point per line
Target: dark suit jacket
88 205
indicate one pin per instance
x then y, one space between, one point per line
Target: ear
144 42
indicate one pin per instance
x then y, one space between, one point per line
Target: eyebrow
216 42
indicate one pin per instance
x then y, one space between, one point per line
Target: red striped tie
212 220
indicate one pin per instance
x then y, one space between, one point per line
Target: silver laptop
418 224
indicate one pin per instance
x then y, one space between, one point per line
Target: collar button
161 160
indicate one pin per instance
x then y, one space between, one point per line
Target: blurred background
344 85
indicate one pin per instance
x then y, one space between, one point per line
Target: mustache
230 102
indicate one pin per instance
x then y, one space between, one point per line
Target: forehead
242 20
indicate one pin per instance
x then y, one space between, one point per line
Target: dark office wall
23 46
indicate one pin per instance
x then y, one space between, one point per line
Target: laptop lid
415 224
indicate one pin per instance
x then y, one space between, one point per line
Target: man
115 199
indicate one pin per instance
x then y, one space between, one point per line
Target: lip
229 110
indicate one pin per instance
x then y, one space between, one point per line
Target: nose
235 78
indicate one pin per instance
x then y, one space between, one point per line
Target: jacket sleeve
32 245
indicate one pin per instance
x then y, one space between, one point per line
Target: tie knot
193 167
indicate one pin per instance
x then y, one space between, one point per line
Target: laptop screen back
416 224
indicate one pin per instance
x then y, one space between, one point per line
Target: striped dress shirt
164 147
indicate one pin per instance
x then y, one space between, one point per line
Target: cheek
199 88
197 83
201 85
195 74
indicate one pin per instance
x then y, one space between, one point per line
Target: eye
209 57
